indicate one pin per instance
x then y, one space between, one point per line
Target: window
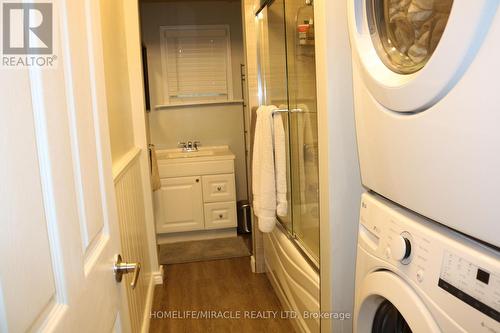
196 63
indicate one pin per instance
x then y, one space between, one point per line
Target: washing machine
414 275
426 79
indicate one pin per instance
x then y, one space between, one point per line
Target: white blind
197 64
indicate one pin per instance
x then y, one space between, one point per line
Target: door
411 53
181 204
59 235
301 72
273 75
386 303
287 74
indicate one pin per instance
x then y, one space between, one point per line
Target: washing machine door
386 303
412 52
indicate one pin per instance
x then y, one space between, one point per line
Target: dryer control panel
470 283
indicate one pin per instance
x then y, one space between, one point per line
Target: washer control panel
459 275
470 283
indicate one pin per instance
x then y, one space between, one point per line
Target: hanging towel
263 175
155 175
280 165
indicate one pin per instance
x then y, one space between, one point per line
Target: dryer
413 275
426 79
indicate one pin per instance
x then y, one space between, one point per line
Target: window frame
164 56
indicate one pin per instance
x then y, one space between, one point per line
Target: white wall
115 60
212 125
340 182
124 92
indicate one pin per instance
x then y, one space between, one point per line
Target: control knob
400 248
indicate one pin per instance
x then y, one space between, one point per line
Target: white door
58 219
181 202
383 300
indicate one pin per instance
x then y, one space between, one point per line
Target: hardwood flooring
218 286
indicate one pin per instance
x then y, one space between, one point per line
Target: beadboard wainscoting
134 240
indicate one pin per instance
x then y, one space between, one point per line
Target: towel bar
287 110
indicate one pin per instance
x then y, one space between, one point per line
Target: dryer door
385 303
412 52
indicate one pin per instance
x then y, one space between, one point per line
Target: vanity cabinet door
181 202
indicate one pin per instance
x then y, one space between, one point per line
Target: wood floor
219 285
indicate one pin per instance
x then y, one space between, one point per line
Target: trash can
244 217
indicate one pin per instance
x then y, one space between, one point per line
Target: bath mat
203 250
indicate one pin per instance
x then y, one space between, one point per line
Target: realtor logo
28 34
27 28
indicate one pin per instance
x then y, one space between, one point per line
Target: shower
287 79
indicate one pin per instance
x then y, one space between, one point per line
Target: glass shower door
301 69
273 77
287 80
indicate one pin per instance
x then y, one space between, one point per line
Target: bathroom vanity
197 198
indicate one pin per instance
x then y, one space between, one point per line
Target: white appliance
427 103
434 278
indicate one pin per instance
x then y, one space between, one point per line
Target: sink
177 155
187 154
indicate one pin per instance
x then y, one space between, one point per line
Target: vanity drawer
217 188
220 215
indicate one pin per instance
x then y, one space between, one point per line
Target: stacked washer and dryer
427 106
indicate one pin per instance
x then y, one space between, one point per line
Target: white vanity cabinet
197 193
181 204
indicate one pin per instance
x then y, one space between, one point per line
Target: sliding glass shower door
287 79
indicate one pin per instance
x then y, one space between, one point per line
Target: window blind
197 64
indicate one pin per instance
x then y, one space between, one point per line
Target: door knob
120 267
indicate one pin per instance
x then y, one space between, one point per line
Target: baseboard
252 263
149 304
156 279
197 235
158 276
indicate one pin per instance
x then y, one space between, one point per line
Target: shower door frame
263 100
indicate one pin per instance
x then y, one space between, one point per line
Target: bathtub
294 279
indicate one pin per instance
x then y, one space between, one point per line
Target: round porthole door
388 319
405 33
386 303
412 52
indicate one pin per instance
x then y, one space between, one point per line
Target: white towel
155 174
269 168
263 180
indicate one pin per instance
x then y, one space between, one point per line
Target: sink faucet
189 146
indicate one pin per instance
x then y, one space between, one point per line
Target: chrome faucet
189 146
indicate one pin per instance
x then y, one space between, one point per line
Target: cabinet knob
197 180
219 188
221 216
